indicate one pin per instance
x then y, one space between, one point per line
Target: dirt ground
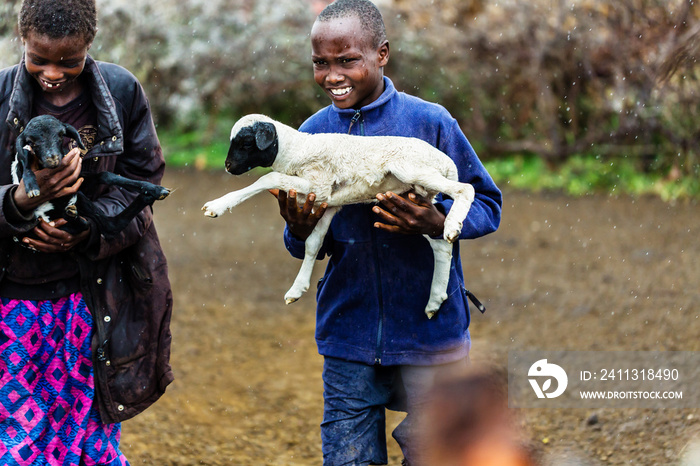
595 273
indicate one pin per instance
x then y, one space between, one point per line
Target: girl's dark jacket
124 280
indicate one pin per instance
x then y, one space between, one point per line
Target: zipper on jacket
355 119
101 355
380 326
475 301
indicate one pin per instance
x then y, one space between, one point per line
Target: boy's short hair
364 10
59 19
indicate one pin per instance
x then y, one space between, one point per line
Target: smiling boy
380 350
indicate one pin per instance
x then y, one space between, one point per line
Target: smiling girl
84 344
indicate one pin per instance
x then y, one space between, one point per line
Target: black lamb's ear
20 142
74 134
265 135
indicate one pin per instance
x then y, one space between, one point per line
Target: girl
84 323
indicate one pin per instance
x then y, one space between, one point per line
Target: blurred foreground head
467 422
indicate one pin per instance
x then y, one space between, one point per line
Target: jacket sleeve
142 159
294 245
484 215
297 247
12 221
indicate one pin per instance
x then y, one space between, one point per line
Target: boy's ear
383 53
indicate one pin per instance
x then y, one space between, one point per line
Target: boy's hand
53 182
50 238
301 221
409 214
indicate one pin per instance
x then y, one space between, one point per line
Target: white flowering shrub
545 77
200 57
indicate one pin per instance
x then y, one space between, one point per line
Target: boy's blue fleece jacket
372 297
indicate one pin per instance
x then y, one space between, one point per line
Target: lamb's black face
253 146
44 134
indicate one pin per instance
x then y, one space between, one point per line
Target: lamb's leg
463 195
312 247
272 180
151 192
433 180
442 254
74 223
109 227
31 185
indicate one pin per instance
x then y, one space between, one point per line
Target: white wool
343 169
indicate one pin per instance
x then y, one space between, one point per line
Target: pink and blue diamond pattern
47 388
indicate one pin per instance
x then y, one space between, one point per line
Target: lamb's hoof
71 211
208 212
434 304
452 231
293 294
153 193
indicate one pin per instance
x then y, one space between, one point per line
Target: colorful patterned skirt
47 414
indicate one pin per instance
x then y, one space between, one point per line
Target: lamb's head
253 144
43 137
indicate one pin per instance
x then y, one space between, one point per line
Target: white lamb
342 169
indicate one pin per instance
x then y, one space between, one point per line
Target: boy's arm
413 214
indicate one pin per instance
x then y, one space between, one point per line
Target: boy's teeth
342 91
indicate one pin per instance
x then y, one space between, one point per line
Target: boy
85 342
380 350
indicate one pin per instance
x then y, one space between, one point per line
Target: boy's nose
334 75
52 73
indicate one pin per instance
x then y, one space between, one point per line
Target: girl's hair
59 18
364 10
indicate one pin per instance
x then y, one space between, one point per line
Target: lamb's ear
265 135
24 150
74 134
22 162
20 142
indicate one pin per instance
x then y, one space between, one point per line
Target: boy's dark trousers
356 396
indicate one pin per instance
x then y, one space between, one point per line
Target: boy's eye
71 63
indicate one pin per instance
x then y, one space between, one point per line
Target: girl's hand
409 214
50 238
300 220
53 182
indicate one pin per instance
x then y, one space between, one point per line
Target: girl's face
346 64
56 64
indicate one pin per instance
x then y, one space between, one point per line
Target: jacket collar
110 137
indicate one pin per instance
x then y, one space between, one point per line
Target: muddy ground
595 273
